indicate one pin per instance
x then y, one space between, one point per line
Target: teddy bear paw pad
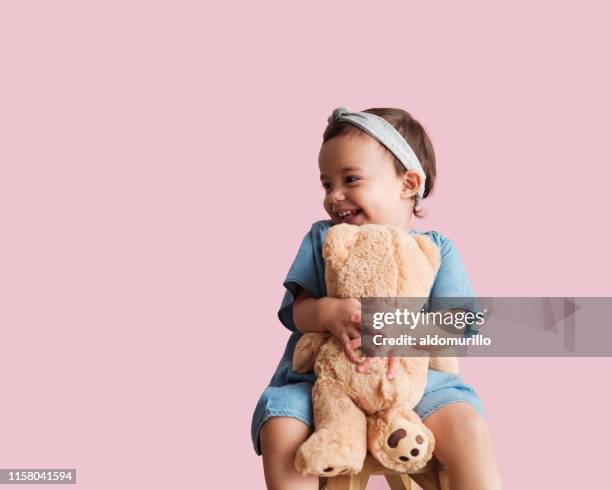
408 446
331 471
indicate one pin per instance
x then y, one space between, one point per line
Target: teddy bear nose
396 437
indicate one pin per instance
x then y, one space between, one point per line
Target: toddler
376 166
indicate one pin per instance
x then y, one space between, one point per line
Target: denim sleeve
452 281
307 271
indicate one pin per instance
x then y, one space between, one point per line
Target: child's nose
337 195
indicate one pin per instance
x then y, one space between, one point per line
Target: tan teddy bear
354 411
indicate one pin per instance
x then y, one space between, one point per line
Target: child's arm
339 316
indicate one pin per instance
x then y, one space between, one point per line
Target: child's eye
326 186
350 179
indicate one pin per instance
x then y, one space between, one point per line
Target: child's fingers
391 367
346 343
356 342
350 352
353 333
355 310
364 365
354 345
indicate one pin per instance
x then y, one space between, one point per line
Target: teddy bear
359 411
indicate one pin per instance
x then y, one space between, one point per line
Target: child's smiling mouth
350 216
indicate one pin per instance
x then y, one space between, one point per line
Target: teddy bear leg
399 440
339 443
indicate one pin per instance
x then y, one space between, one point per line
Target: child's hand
342 318
365 363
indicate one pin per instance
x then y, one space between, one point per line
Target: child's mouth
348 215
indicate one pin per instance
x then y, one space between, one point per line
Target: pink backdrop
158 171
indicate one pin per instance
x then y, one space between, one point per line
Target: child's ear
411 181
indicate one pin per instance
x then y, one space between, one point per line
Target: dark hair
409 128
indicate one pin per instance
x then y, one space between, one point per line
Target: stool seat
433 476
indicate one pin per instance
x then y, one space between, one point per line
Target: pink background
158 171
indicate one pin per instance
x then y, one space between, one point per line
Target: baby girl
376 166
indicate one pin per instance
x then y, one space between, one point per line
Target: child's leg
280 438
464 446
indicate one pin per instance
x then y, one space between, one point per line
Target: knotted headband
383 131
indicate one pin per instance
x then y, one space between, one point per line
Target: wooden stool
432 477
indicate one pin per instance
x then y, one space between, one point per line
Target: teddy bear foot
317 456
406 446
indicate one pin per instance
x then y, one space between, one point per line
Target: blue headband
380 129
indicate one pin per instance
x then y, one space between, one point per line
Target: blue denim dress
289 394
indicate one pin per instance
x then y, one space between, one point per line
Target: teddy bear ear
339 240
430 249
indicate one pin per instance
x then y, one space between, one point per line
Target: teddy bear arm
306 351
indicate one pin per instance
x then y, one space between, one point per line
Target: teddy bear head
378 261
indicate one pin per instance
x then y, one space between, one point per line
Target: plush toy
355 412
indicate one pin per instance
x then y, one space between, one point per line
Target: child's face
359 176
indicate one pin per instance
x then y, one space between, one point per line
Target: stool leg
349 482
399 482
444 480
428 481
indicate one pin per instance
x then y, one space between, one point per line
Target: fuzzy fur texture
355 412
